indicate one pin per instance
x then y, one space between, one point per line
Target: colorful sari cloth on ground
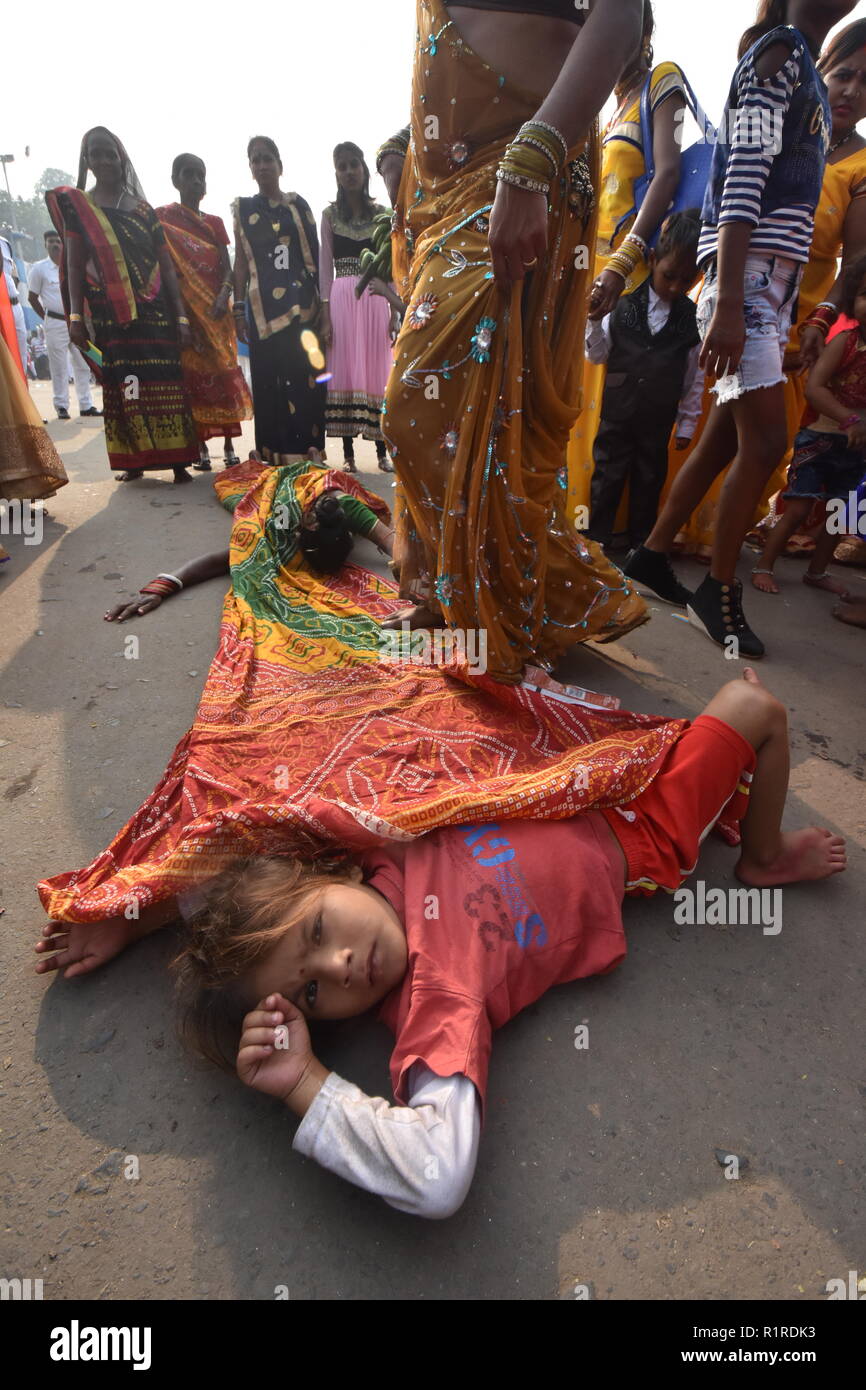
218 395
842 183
278 238
304 730
147 418
484 392
30 466
622 163
360 356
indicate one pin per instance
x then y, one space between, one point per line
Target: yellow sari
622 163
485 391
842 182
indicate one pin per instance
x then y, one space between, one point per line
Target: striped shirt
755 131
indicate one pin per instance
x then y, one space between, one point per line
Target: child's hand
681 442
76 948
857 435
274 1051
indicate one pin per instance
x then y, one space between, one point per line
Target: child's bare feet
79 947
763 581
804 855
823 581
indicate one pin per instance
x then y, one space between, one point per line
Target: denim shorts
771 285
824 466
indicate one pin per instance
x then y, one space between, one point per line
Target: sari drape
218 395
147 419
304 730
30 466
485 390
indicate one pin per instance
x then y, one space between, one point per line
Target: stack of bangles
822 317
239 309
534 158
163 586
398 144
628 257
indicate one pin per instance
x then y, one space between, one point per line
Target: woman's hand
606 290
681 443
811 346
145 603
518 233
857 435
78 334
76 948
274 1052
391 172
325 330
241 328
395 325
723 346
220 306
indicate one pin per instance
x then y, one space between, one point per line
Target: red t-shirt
494 916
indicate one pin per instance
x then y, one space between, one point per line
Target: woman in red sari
197 241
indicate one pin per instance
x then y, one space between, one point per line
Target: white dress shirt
44 282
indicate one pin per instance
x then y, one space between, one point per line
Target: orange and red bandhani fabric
305 730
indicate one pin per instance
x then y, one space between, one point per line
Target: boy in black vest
651 345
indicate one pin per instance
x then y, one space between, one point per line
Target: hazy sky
174 75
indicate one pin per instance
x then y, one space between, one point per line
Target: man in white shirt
10 272
47 302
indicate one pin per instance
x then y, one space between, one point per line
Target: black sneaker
92 411
652 569
718 609
63 414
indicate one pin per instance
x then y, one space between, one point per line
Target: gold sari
485 390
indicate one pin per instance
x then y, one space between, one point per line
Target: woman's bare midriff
526 49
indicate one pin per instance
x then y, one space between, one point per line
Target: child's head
312 932
854 291
324 537
673 263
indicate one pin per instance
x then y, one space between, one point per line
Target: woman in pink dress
356 332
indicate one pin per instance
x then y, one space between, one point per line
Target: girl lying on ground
452 934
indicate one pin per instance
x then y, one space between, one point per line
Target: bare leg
760 420
793 516
713 452
769 855
816 576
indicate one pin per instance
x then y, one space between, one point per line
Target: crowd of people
402 861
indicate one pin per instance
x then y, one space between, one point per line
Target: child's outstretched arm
420 1158
76 948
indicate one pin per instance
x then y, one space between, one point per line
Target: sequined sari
485 389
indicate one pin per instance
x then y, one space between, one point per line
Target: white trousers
60 351
21 332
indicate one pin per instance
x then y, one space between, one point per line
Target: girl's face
350 172
846 85
191 182
265 168
104 162
672 275
345 955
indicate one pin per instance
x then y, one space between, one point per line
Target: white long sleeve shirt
598 345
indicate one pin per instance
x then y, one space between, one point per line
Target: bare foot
751 675
804 855
419 616
181 476
763 581
81 946
854 614
823 581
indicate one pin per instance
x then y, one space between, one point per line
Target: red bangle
851 420
162 588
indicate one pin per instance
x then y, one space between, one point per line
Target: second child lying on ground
451 936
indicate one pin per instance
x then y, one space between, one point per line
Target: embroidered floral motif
482 338
444 588
481 224
423 310
449 440
458 153
562 477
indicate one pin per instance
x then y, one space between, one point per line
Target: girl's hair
679 234
182 159
327 546
771 13
248 909
643 60
842 45
852 279
342 201
264 140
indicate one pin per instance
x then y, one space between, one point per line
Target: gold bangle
182 319
76 318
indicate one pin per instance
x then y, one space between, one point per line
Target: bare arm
35 304
196 571
817 391
853 247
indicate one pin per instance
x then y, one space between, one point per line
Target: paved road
597 1166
